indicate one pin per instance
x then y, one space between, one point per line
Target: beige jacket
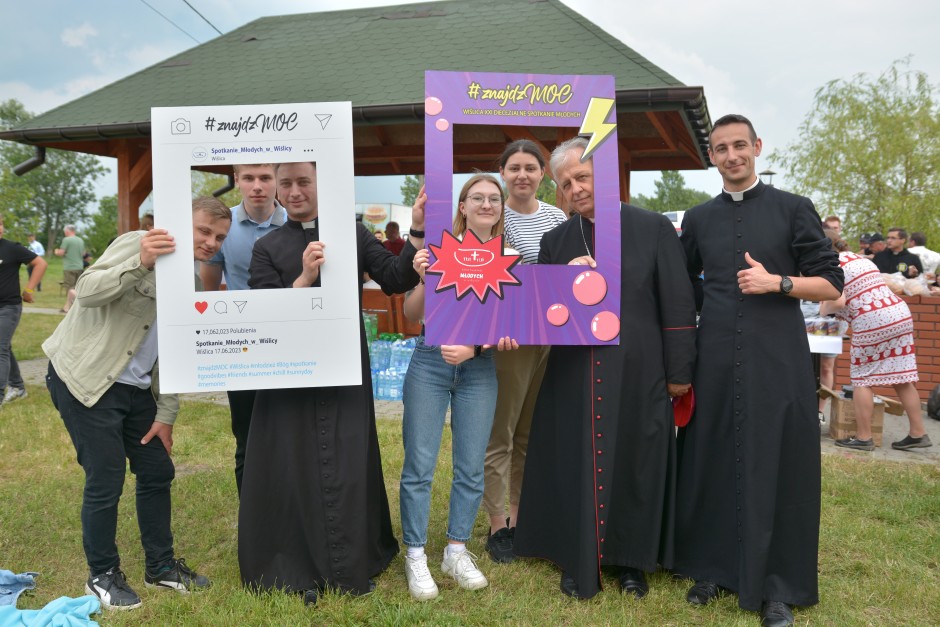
115 307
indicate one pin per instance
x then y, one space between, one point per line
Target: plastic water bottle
393 391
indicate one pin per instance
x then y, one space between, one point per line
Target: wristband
477 350
416 233
28 291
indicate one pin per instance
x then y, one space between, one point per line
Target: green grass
879 559
32 332
51 296
879 548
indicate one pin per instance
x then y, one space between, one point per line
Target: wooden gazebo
376 58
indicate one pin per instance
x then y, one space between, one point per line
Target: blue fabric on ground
12 586
63 612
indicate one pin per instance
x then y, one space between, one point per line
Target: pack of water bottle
389 362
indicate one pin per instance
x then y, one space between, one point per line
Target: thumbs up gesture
756 279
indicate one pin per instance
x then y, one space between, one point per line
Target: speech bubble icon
220 307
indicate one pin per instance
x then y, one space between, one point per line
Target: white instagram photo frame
256 339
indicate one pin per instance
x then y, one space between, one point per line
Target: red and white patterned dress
882 329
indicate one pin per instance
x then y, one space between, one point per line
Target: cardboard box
842 416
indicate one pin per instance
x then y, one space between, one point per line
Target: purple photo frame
551 304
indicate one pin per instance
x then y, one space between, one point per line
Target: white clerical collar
309 225
739 196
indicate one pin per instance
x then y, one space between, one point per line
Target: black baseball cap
875 237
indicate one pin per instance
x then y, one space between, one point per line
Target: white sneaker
420 582
14 394
463 567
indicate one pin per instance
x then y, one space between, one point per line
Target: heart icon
202 306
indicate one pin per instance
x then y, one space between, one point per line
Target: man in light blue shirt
258 214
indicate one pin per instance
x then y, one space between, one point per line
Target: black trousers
104 436
241 403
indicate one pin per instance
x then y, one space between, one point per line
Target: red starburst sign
472 266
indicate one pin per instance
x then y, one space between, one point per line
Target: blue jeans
9 369
430 386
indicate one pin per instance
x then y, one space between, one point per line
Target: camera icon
180 126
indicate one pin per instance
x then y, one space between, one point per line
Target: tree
869 151
671 194
547 191
50 196
205 183
409 190
103 227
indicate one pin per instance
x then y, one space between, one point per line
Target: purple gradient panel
523 312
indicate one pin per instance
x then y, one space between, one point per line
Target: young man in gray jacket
104 381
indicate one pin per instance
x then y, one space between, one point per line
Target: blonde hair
460 220
212 207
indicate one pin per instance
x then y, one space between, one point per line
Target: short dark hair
918 238
732 118
522 145
278 165
901 232
238 166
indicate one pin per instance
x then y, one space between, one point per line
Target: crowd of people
572 451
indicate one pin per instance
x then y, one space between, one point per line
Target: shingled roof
374 57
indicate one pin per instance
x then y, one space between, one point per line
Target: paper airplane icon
324 119
240 304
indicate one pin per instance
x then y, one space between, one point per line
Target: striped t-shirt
524 230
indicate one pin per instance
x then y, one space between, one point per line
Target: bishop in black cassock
598 488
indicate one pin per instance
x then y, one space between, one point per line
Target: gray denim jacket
115 307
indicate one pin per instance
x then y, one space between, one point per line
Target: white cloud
76 37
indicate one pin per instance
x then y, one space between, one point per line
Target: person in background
748 499
146 222
519 373
103 379
827 361
255 216
876 244
833 223
393 239
12 256
897 258
882 349
462 377
929 258
72 252
40 251
863 240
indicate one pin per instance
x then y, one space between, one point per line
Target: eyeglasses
477 200
893 237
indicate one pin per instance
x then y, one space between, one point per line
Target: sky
764 60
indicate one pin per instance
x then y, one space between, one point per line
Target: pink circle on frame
433 106
589 287
557 315
605 326
442 125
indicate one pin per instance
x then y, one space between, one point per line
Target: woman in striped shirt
519 372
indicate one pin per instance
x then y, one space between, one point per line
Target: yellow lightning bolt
595 126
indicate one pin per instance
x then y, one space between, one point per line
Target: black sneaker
908 443
855 443
499 546
112 590
177 576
